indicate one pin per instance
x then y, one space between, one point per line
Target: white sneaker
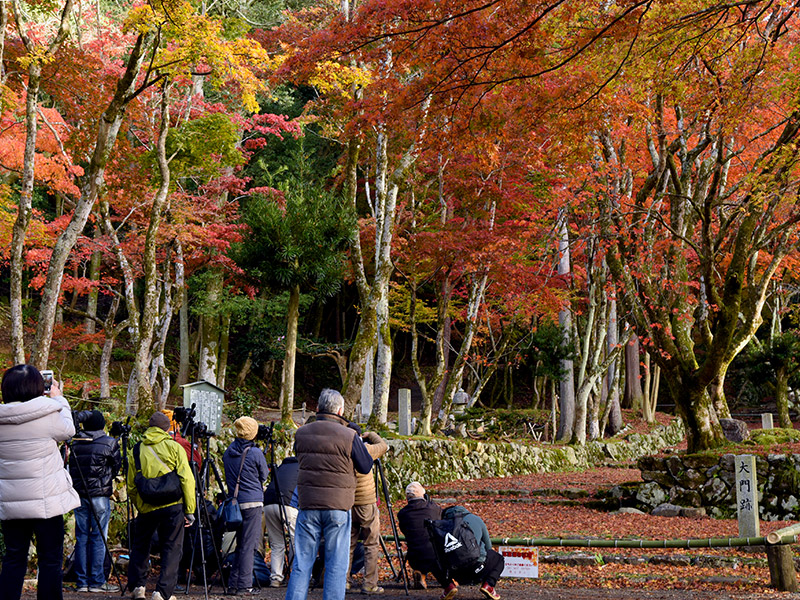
138 593
158 596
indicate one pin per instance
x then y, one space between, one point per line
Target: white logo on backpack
451 543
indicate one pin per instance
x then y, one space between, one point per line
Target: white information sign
521 561
209 407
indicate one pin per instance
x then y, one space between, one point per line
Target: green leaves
299 241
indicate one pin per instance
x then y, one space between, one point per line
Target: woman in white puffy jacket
35 488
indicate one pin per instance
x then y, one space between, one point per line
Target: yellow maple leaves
195 43
332 77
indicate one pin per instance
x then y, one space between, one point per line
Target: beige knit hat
246 428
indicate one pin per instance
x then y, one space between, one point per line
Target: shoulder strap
158 458
239 476
137 461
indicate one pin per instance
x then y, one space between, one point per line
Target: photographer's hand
55 391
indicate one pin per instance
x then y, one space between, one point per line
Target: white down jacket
33 481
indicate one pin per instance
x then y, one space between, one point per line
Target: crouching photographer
464 552
35 488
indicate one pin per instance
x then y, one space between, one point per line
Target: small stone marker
766 420
747 495
404 411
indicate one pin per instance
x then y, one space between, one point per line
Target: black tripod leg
388 500
388 557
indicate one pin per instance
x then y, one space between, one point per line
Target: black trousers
169 522
17 534
488 573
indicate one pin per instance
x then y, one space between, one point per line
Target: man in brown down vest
329 454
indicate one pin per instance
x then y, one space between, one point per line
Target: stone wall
708 482
436 461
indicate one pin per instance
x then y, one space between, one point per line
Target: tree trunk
149 312
633 397
111 333
210 331
372 296
443 333
93 180
782 397
613 410
24 209
475 299
361 352
717 391
287 381
183 315
383 361
566 385
94 275
224 347
694 405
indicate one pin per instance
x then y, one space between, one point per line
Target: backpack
457 549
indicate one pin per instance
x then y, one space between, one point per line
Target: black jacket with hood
94 461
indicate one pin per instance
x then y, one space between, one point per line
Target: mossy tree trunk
782 396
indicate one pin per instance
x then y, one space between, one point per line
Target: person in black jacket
411 519
286 476
93 464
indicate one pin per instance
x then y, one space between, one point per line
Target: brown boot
419 581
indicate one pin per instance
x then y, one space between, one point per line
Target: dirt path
509 590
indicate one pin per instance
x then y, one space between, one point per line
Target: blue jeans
90 552
334 526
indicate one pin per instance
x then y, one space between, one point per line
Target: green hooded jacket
173 457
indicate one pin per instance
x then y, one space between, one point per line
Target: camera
265 432
201 430
47 375
119 428
80 416
184 415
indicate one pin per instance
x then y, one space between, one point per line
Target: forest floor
566 505
560 504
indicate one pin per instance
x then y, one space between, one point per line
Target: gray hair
330 401
414 490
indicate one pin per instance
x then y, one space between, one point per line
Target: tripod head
265 433
120 429
191 428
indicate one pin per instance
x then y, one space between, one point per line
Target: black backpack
457 549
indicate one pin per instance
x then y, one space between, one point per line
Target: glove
189 520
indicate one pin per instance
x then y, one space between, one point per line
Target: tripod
288 548
97 523
400 556
202 517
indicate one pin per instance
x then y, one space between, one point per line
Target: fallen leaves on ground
554 505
